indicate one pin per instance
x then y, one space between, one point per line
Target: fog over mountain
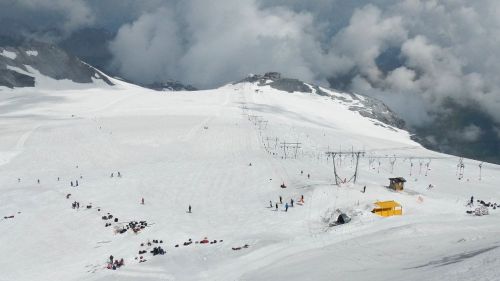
430 61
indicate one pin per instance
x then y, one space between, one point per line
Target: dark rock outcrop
48 59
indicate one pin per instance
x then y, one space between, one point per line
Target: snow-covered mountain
225 152
366 106
27 64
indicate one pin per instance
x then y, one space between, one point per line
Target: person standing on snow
281 200
308 176
364 189
142 201
270 204
189 209
291 202
286 207
276 206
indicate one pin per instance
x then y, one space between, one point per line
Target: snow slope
194 148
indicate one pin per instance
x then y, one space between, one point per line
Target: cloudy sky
413 54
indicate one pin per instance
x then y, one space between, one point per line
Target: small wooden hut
397 183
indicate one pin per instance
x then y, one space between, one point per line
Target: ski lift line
392 148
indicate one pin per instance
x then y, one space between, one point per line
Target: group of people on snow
114 263
301 201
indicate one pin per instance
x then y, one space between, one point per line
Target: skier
38 180
78 205
291 202
111 259
472 200
276 206
142 201
57 178
189 209
364 189
71 183
301 172
112 175
270 204
76 182
119 175
281 200
286 207
308 176
18 179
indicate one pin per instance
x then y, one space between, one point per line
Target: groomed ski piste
221 151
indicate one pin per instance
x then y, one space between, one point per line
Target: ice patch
9 54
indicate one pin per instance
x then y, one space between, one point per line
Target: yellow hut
388 208
397 183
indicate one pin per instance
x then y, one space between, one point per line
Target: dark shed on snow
397 183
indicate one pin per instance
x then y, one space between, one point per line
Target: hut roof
398 179
387 204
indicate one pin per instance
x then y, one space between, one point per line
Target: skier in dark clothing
76 182
71 184
119 175
276 206
38 180
111 175
281 200
270 204
189 209
286 207
472 201
364 189
308 176
291 202
111 259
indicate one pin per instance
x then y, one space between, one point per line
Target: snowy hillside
225 152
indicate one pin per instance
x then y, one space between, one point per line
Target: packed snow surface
221 151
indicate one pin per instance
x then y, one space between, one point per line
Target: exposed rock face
170 86
48 59
366 106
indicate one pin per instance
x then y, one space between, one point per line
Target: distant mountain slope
366 106
19 64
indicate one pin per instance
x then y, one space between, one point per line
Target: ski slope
177 149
